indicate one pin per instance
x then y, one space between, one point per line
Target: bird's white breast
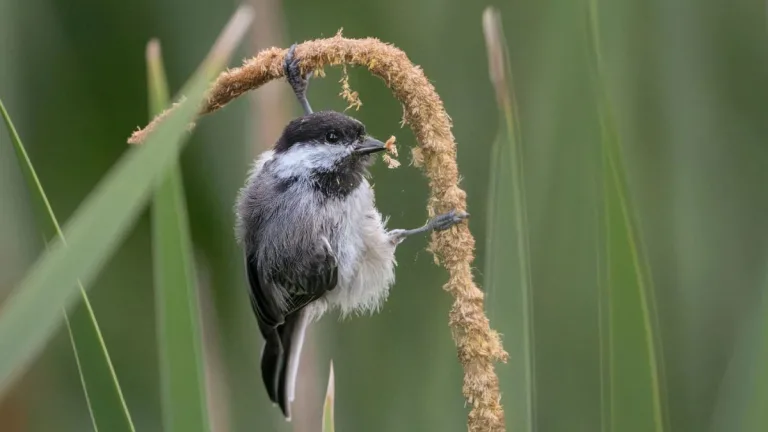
365 254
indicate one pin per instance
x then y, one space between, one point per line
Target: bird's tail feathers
280 360
272 356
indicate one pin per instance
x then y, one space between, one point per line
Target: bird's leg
438 223
298 82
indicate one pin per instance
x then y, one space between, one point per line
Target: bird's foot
294 77
444 221
438 223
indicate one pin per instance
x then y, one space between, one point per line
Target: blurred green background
689 85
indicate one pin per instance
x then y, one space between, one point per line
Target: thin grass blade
328 421
101 387
508 269
32 313
633 368
176 298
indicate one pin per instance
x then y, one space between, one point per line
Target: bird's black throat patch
341 181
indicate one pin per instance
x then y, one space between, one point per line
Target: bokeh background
689 85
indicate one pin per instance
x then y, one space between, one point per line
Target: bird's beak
368 146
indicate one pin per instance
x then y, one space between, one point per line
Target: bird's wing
298 285
281 319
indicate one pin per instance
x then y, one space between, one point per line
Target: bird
312 237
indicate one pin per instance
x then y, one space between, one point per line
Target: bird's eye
331 137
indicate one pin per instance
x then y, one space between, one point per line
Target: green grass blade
101 387
328 422
178 313
32 313
508 252
633 371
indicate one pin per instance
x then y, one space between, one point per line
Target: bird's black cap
321 127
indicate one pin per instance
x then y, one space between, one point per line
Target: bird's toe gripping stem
294 77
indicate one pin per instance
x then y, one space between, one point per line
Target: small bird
312 237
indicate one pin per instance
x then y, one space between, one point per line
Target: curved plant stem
478 345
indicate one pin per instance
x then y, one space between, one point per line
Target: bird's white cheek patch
301 159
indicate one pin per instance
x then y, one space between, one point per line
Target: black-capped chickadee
312 236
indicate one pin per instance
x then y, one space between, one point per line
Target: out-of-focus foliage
177 301
508 267
687 81
108 411
31 313
631 361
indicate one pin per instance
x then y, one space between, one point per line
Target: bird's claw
444 221
293 74
438 223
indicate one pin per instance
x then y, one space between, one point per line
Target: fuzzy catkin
478 346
